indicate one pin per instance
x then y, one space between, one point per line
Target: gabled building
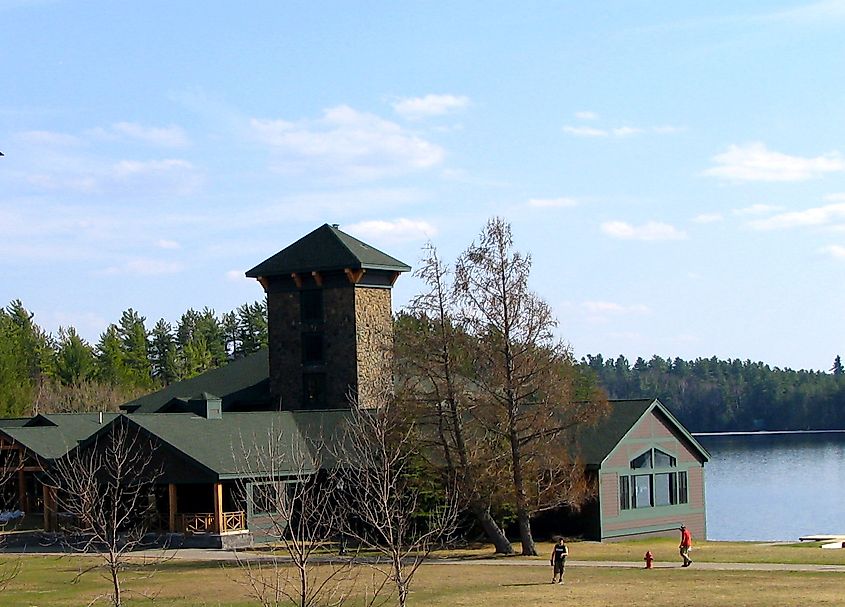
330 328
648 473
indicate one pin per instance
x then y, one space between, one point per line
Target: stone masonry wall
374 356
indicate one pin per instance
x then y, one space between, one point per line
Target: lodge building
330 328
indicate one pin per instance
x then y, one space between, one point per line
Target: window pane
642 491
663 460
643 461
314 390
673 488
624 493
311 305
662 495
682 488
312 348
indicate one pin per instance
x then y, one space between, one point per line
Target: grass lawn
47 580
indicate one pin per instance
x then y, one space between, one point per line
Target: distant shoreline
766 432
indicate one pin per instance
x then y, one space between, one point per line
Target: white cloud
67 163
755 162
170 136
585 131
757 209
354 144
167 244
619 132
708 218
552 203
398 230
817 216
586 116
626 131
668 129
649 231
836 251
415 108
825 11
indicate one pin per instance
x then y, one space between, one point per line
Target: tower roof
326 248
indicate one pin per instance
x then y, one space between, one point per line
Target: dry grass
492 583
666 550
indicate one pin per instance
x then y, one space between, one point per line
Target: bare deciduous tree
524 384
296 506
376 458
104 491
432 348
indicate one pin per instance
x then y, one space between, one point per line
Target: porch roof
52 435
237 445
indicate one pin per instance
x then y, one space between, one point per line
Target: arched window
654 483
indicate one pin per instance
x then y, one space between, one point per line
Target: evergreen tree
135 345
73 361
163 353
837 369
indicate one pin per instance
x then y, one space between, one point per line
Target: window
312 348
642 491
663 487
663 490
663 460
682 488
643 461
311 305
624 492
313 390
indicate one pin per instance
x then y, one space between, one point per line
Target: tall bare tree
376 458
105 491
296 503
524 384
432 354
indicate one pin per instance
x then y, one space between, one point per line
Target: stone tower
330 321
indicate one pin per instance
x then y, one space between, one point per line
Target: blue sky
676 169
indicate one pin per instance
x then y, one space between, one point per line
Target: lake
766 487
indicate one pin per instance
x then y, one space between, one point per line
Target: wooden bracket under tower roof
354 276
318 278
296 279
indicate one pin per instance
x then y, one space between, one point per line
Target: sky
675 169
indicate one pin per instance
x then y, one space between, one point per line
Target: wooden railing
203 522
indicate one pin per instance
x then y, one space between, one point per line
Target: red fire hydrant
649 559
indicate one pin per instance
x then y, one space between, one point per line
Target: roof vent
335 225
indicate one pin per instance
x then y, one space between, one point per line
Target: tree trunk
493 531
525 536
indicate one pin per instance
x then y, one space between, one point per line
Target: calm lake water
774 486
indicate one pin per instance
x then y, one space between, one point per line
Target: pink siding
670 524
649 431
610 494
695 478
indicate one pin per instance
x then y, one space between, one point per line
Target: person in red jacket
685 545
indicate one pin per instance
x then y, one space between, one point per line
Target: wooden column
218 507
171 501
49 507
23 503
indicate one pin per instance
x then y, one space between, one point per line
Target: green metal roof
595 443
52 436
326 248
235 445
239 384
